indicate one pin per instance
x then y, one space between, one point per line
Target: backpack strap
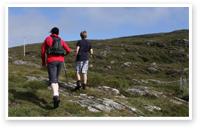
52 39
56 47
59 41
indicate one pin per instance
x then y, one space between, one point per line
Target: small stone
102 107
153 64
91 109
112 62
21 62
151 108
152 69
127 64
136 91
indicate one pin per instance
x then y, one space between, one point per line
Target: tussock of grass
35 85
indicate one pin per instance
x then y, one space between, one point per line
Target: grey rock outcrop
185 70
183 42
142 90
109 90
154 65
21 62
112 62
152 69
107 105
94 104
103 53
32 78
153 80
151 108
127 64
136 91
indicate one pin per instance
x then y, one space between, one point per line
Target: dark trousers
54 70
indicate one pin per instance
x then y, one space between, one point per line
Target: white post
24 45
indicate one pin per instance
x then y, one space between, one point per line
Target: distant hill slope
168 50
163 35
126 76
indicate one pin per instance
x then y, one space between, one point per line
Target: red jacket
50 57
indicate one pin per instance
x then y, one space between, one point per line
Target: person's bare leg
55 89
85 78
78 76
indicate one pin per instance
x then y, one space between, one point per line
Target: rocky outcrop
151 108
103 53
152 69
95 104
127 64
109 90
153 80
32 78
146 91
112 62
21 62
142 90
183 42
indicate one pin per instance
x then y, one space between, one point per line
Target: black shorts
54 70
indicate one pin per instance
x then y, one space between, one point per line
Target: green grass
34 99
168 109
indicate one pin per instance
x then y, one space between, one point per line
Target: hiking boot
56 101
84 86
78 85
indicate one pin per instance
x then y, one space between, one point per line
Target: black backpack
57 48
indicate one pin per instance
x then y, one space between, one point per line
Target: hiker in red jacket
54 62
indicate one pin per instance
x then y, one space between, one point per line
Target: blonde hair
83 34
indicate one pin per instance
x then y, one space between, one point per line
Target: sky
35 23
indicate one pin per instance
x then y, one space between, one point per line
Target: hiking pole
67 79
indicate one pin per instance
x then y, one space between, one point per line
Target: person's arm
43 50
76 52
91 51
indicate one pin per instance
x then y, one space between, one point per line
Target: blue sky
100 22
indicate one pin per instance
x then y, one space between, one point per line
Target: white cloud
32 25
116 16
35 25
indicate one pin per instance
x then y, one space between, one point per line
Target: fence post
24 44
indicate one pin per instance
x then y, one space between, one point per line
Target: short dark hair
83 34
55 30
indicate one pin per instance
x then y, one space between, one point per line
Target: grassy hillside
108 67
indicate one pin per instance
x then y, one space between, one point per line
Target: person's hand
44 67
75 61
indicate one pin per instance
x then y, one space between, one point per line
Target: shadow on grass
31 97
